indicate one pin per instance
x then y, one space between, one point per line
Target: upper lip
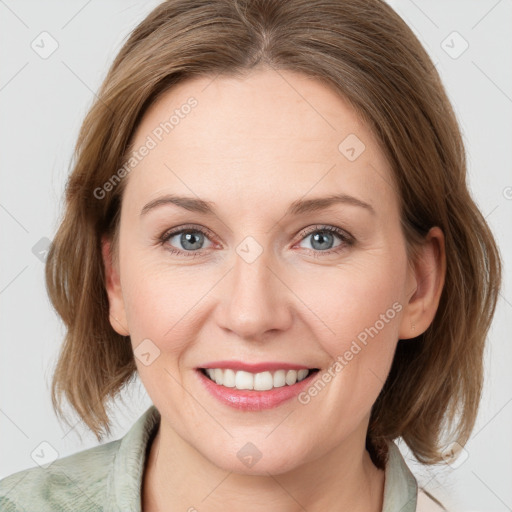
255 367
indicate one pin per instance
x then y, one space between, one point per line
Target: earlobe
428 275
117 313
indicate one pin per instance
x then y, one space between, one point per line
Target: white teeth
280 379
302 374
291 377
244 380
229 379
262 381
218 376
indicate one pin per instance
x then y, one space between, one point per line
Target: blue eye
190 241
323 238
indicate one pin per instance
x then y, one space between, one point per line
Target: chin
249 459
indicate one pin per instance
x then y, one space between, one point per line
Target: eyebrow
299 207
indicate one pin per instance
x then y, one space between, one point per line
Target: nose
256 300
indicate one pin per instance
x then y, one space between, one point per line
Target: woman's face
270 275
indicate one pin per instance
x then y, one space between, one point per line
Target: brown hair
363 50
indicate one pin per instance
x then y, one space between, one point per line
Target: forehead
271 134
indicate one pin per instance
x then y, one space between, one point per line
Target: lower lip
255 400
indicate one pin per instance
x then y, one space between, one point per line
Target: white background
42 104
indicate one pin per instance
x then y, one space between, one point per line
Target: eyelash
346 239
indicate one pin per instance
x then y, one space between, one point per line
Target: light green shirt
109 478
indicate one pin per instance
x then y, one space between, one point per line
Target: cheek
361 314
354 297
166 303
360 308
158 302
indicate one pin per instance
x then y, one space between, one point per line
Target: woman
267 222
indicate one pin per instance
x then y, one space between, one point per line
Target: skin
252 146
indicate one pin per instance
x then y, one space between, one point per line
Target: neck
177 477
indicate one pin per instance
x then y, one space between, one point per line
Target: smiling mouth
261 381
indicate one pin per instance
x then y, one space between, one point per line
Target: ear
425 283
117 313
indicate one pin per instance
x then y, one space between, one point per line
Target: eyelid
344 235
186 227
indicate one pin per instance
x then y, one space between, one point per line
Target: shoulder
401 489
92 480
427 503
75 482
